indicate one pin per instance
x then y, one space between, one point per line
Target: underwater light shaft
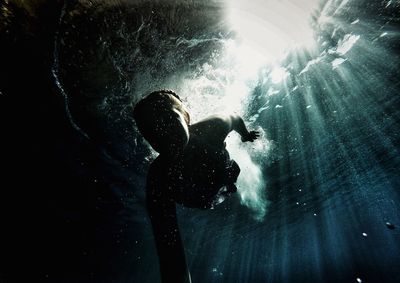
331 112
268 29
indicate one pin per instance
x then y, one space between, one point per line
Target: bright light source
278 75
270 28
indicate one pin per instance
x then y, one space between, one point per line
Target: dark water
315 192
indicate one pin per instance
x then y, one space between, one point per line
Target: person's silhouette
193 169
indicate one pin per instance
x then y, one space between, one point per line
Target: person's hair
153 106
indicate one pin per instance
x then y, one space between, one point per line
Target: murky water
319 79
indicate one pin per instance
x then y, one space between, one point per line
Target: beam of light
268 29
278 75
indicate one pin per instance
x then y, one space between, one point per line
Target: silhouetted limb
162 212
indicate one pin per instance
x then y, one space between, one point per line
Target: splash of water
251 182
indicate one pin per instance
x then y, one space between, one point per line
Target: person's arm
162 212
217 127
237 124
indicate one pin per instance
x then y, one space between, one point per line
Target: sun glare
270 28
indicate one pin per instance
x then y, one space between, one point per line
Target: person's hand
251 136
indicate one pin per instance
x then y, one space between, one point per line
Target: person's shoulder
217 118
211 123
211 130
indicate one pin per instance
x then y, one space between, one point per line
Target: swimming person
193 169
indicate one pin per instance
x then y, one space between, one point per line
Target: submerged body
193 169
203 174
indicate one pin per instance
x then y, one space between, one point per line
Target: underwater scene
318 194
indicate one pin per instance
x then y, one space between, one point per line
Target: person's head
163 121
